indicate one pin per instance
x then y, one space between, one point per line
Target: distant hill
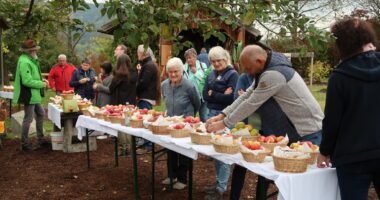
93 16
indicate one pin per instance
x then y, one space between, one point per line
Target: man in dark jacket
351 128
147 84
83 79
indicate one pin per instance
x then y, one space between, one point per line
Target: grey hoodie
288 89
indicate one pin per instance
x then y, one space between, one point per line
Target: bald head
253 59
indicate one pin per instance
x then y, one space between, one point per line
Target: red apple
179 126
196 120
279 138
139 117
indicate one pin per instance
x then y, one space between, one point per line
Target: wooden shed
244 34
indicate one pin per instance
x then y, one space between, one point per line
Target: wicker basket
86 113
136 123
117 120
67 96
179 133
270 146
107 118
250 157
232 149
290 165
83 106
313 158
200 139
159 130
99 116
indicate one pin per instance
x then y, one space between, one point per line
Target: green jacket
199 78
28 85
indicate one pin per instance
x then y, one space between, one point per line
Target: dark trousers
29 111
179 165
354 179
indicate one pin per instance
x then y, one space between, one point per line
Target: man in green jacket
29 90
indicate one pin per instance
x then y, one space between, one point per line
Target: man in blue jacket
83 79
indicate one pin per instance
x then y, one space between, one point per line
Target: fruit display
68 92
83 104
225 143
192 120
271 141
57 100
242 129
252 145
286 159
307 147
180 130
253 151
8 88
114 110
90 111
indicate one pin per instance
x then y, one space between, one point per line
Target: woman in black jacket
123 84
123 90
351 128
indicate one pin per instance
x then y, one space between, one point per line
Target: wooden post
165 55
311 68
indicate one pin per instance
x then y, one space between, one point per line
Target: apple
279 138
197 120
262 139
255 146
179 126
139 117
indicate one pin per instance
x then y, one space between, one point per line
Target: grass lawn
317 90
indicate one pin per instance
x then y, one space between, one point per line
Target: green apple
240 125
254 132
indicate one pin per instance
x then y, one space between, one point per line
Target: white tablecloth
6 95
314 184
54 114
84 122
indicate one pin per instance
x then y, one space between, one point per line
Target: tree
38 20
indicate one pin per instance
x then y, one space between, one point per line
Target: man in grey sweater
277 81
283 101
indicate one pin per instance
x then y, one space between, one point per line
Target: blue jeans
222 170
144 104
354 179
141 105
315 138
203 111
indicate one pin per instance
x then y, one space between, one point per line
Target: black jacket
218 83
123 89
147 80
351 128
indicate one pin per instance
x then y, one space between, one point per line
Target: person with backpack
196 72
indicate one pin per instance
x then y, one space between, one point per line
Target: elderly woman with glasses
219 93
181 98
197 72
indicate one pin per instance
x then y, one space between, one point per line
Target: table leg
88 148
153 170
190 195
10 108
170 169
135 173
261 188
116 152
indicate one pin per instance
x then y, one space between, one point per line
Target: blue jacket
218 83
84 90
203 57
243 83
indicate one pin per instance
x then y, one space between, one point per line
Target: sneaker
179 186
167 181
27 148
217 195
210 189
